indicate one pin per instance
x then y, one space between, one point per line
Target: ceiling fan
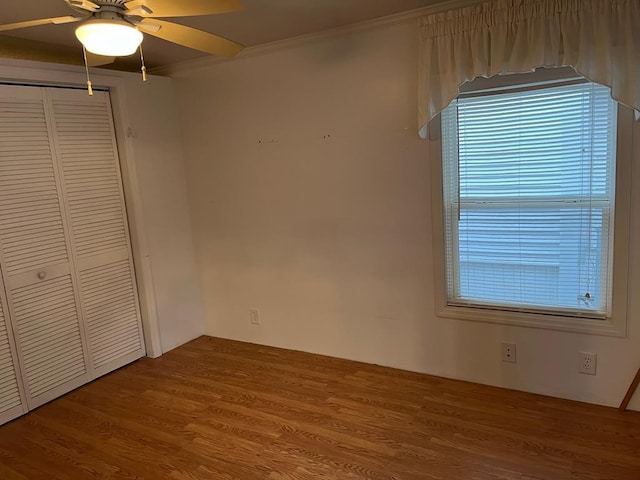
114 28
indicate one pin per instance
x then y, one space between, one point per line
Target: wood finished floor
217 409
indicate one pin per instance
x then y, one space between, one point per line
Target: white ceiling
261 22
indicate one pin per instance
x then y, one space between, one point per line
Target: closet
68 302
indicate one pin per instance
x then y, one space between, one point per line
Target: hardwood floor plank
226 410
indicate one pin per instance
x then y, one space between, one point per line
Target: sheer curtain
599 38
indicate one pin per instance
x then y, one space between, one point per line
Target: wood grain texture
219 409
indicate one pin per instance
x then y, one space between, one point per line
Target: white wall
309 194
154 152
155 136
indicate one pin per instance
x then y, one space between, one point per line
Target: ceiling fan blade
84 5
150 26
192 38
94 60
27 49
184 8
42 21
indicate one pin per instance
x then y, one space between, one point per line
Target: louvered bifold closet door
35 255
85 142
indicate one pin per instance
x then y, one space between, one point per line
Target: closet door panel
11 398
111 311
47 322
34 251
90 171
31 226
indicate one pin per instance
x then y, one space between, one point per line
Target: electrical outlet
254 316
509 352
588 363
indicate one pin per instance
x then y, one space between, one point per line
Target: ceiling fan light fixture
111 38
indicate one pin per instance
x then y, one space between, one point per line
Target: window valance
599 38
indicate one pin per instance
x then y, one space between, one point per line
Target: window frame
613 325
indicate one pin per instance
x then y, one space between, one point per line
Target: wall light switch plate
254 316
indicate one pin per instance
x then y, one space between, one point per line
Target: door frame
44 74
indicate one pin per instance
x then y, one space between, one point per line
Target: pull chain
86 67
144 69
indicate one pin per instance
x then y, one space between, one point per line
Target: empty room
320 239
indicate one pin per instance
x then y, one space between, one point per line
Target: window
528 203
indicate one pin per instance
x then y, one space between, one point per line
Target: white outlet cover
509 352
588 363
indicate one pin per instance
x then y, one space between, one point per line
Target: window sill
608 327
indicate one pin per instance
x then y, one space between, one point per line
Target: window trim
616 324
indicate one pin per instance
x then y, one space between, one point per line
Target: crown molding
409 16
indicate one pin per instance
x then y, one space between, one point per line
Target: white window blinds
528 198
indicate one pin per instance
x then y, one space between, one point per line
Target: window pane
533 256
554 141
529 197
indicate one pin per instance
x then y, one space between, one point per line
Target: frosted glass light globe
111 38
